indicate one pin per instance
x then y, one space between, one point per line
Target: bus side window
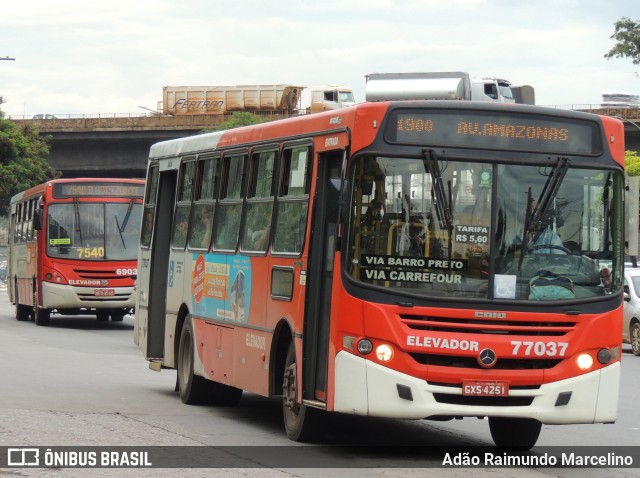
16 229
293 200
23 213
30 234
149 207
257 225
183 205
229 213
204 204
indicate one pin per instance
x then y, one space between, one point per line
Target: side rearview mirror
37 223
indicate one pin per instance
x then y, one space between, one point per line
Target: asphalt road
83 383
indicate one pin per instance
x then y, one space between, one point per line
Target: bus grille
90 297
487 326
483 401
502 363
105 273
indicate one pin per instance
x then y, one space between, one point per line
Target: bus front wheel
193 388
118 315
40 316
300 421
520 433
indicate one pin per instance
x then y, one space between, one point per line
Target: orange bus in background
73 248
427 259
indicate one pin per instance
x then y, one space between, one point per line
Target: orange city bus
73 247
427 259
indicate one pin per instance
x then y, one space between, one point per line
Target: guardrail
147 121
133 121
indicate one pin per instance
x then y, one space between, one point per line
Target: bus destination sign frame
86 189
510 131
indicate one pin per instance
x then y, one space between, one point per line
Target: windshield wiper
126 216
120 229
534 215
549 192
123 226
442 201
76 208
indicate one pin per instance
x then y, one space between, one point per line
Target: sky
114 57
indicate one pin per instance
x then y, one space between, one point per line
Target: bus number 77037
549 349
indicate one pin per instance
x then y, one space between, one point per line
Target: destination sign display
65 190
494 130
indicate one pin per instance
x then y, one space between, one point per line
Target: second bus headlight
384 352
585 361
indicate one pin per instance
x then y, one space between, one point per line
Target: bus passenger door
319 282
153 268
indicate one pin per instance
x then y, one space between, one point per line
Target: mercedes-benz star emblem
487 358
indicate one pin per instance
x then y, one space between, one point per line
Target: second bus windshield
93 231
463 229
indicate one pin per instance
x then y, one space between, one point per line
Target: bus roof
39 189
323 122
176 147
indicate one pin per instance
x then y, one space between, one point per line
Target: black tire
118 315
102 315
193 389
23 312
300 422
634 338
40 316
517 433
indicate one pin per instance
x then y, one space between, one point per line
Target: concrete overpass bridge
114 145
118 145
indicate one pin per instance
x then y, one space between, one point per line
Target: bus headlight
49 277
384 352
585 361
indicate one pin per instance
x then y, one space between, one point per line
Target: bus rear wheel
193 388
520 433
300 421
23 312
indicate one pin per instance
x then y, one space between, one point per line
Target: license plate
483 388
105 292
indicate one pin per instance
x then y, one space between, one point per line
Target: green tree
627 37
23 162
632 163
240 118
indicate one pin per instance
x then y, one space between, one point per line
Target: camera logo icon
23 456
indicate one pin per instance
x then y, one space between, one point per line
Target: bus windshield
94 231
434 226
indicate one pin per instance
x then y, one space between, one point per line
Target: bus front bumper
58 296
367 388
